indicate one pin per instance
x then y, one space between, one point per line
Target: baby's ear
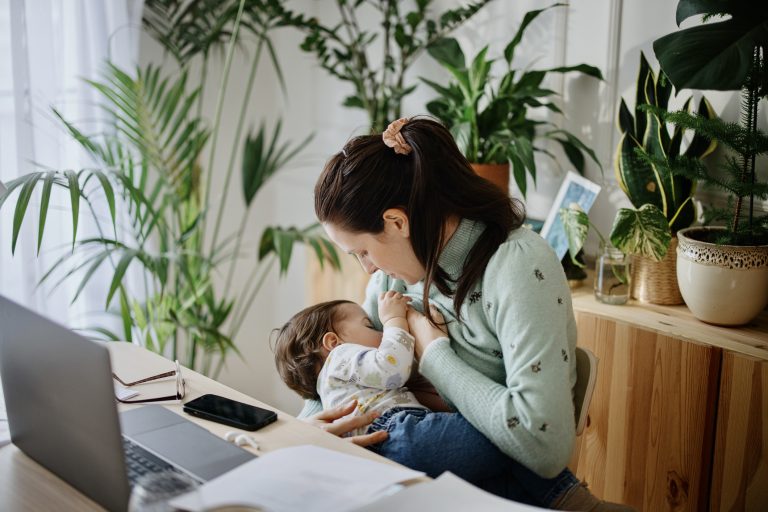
330 341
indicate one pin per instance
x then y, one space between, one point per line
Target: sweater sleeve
310 407
530 416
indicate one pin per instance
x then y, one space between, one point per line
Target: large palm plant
152 163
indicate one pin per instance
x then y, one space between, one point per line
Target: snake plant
646 158
648 164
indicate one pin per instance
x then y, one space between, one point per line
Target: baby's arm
393 308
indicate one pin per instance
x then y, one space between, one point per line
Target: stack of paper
448 492
301 479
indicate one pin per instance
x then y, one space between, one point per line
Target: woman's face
389 251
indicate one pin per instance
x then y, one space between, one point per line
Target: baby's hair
298 346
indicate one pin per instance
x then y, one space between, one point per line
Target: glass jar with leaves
723 271
154 163
489 116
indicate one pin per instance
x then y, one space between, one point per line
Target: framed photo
574 189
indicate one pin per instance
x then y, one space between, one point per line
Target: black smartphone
230 412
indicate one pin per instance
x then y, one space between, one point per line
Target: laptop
62 413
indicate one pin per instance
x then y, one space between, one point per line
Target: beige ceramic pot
721 284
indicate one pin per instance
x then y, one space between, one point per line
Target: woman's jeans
434 442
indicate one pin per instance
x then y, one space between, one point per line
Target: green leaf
644 231
447 52
122 266
625 121
576 226
109 194
99 259
74 194
125 315
712 56
45 198
509 51
581 68
22 202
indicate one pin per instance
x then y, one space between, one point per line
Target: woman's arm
529 417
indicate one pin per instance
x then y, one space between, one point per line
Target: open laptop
61 408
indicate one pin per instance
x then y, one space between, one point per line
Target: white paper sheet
448 492
301 479
123 393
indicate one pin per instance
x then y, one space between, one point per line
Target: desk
25 485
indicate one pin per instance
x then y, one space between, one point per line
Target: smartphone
230 412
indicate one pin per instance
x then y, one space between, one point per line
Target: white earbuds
241 439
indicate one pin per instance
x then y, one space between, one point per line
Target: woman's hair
299 344
431 184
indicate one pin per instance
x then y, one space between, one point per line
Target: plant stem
235 144
244 311
220 102
238 242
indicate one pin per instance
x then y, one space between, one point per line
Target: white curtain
47 50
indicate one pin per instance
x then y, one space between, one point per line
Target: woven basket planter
655 282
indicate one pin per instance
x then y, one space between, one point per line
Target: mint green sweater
509 366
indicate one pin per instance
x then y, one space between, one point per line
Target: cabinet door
740 470
650 434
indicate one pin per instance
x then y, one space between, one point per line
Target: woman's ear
330 341
396 221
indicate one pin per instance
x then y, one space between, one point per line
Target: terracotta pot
721 284
655 282
498 174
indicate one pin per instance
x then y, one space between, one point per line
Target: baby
332 351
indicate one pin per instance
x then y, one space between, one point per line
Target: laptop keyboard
139 461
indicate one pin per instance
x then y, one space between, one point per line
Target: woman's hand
423 331
334 422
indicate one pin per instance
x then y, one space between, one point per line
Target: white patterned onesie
374 377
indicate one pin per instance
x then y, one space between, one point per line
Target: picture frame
574 189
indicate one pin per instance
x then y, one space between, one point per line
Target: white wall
606 33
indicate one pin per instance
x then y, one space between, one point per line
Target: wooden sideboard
679 417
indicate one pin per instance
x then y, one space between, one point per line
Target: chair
586 376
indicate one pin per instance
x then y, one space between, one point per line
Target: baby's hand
423 331
393 305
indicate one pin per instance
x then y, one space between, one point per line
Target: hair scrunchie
394 139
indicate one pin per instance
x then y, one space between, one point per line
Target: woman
410 208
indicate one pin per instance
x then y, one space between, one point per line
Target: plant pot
498 174
721 284
655 282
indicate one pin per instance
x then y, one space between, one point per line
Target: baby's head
304 342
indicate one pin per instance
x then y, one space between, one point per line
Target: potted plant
647 157
489 116
344 49
723 271
151 161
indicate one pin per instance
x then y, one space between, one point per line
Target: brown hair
432 184
298 346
